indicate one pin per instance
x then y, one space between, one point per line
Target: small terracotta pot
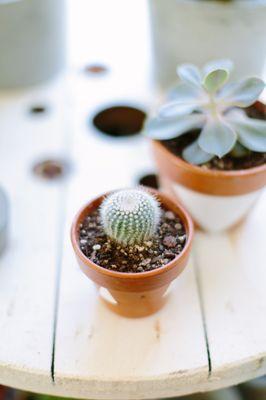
133 294
217 200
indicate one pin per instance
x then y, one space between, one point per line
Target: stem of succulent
213 106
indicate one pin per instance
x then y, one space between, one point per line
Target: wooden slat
232 275
29 264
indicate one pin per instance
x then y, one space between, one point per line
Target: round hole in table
51 169
96 69
119 121
38 109
150 180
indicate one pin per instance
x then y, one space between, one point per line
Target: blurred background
143 39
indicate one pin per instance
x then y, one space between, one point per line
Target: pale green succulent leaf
242 94
185 92
164 129
190 74
176 109
224 64
251 133
184 99
214 80
195 155
217 137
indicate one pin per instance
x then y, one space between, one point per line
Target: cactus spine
130 217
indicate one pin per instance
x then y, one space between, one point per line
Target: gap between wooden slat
204 324
61 224
67 151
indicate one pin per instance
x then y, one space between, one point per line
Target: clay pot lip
182 213
180 163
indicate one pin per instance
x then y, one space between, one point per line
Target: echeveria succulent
130 216
204 100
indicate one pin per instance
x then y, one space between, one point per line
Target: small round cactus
130 217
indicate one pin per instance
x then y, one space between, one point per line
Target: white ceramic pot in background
3 220
198 31
32 41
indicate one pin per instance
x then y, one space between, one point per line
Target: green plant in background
130 216
204 100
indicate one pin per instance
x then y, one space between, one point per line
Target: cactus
130 217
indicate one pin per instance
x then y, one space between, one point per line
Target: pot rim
179 162
182 213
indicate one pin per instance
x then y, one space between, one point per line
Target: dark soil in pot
228 162
168 242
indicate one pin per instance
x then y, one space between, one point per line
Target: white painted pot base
215 213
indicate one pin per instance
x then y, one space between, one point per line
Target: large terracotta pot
198 31
133 294
216 200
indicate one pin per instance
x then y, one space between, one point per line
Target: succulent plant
204 100
130 217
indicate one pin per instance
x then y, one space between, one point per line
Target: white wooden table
55 337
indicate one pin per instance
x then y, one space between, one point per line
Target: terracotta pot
133 294
217 200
